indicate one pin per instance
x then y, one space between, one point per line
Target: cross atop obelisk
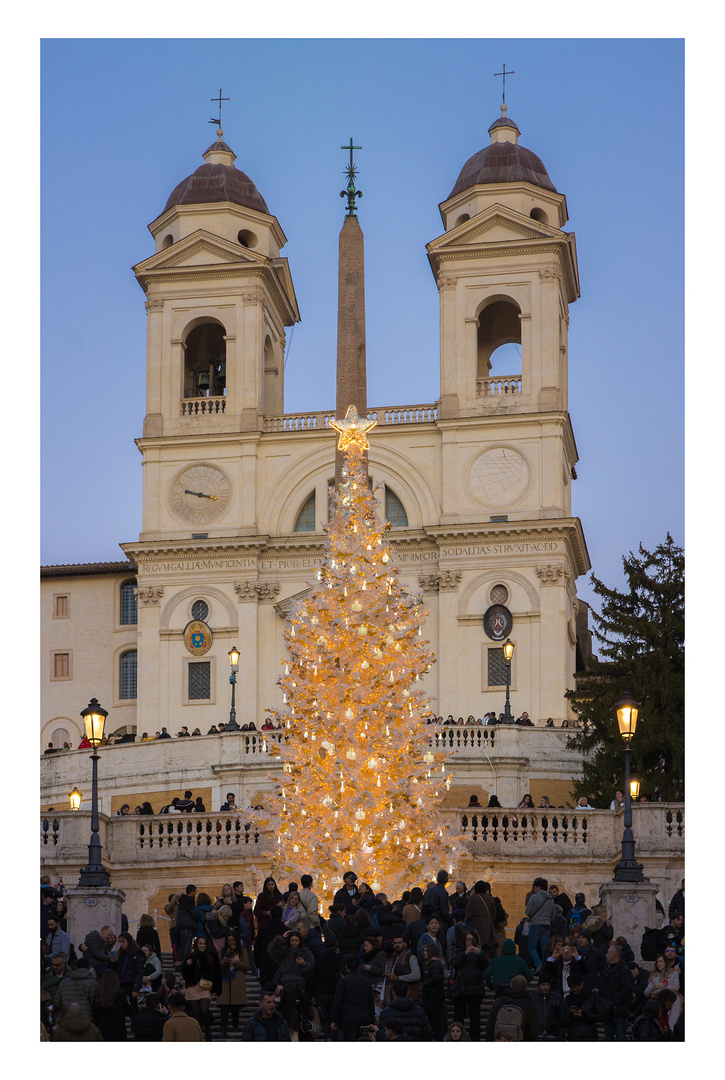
351 373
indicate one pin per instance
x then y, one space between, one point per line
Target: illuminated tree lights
360 786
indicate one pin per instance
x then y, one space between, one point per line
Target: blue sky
123 120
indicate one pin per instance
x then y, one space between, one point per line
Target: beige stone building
476 485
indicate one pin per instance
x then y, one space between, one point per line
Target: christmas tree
361 787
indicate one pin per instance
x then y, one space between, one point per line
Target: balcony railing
659 830
386 415
498 386
203 406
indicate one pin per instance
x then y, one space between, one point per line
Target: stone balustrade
659 830
386 415
203 406
498 385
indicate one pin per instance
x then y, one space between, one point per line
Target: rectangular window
497 668
200 681
61 606
60 665
128 676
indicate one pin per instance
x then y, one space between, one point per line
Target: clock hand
200 494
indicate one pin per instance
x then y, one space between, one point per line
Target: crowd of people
371 969
524 720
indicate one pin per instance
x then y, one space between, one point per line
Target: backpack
509 1023
575 918
649 947
501 917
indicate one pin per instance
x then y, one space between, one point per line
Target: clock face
200 494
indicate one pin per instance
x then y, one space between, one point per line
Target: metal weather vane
350 191
218 121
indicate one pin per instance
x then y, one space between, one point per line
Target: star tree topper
353 429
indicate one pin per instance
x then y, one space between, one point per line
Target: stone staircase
253 994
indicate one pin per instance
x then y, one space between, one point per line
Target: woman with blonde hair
216 926
292 911
662 978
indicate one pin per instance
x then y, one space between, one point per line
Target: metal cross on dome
219 100
504 73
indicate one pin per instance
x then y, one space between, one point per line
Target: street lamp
75 799
627 869
234 661
634 788
95 873
508 652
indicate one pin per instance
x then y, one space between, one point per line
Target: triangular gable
496 224
199 249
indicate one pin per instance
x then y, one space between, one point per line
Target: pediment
497 224
200 249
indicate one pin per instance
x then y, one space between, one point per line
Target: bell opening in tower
205 361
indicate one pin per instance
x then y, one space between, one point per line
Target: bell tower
218 299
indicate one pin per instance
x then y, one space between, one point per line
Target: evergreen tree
642 631
360 785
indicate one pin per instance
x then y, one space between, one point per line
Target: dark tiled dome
217 183
502 163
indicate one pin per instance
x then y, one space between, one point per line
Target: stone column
351 370
632 907
90 908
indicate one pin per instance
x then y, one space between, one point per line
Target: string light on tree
352 682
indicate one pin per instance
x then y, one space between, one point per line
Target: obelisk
351 374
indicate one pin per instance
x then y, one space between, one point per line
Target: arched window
200 610
205 366
60 737
127 675
306 517
394 510
129 603
499 324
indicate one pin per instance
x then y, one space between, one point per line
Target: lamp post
95 873
627 869
234 661
508 652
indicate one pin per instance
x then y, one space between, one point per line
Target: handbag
205 984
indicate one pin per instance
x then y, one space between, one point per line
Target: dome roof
217 181
503 162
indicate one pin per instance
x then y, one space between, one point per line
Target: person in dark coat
350 937
581 1018
561 899
561 965
186 919
111 1008
501 969
266 1024
349 894
296 962
640 979
74 1026
433 990
148 1023
353 1004
517 994
648 1027
412 1016
437 896
469 964
266 966
677 903
593 960
269 898
552 1011
391 923
616 986
415 929
325 977
148 934
130 968
202 965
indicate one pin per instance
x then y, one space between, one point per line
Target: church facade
477 485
